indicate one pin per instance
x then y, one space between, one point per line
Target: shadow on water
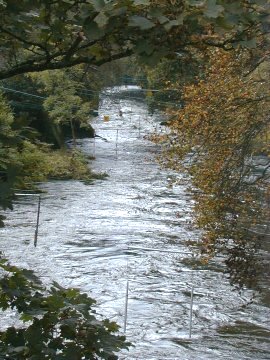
96 237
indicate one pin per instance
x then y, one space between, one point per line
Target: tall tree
214 137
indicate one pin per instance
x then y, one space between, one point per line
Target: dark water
96 237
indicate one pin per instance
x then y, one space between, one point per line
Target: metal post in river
191 311
37 223
126 308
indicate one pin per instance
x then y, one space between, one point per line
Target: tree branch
32 66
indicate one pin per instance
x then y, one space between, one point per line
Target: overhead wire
90 91
22 92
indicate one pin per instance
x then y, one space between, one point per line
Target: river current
134 226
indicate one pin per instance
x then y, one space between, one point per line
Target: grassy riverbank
39 162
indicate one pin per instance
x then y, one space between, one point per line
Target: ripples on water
89 238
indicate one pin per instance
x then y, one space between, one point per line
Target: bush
59 323
40 163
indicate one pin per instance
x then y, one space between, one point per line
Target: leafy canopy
38 35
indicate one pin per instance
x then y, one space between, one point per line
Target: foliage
214 138
114 73
22 94
169 76
9 166
44 35
62 102
24 162
59 323
39 163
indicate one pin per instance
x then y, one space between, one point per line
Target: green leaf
71 293
72 352
97 51
162 19
141 2
68 324
233 8
26 317
117 12
68 329
93 31
33 334
145 47
98 4
251 43
155 12
13 337
213 10
227 22
101 19
53 302
177 22
112 326
141 22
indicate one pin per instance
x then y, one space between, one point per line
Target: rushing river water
96 237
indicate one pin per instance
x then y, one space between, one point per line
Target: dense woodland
210 62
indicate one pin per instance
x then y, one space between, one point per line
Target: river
134 226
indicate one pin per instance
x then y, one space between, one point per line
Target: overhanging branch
33 66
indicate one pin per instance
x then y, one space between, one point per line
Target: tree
62 101
169 76
44 35
24 158
9 140
214 138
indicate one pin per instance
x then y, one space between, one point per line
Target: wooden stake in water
139 127
37 224
126 307
191 311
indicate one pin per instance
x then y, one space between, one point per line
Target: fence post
37 223
191 310
126 307
117 131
